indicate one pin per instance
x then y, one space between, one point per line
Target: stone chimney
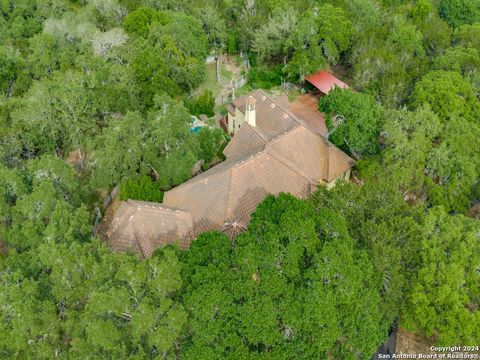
250 111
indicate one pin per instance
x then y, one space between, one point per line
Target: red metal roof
324 81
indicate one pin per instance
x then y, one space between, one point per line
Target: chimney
250 111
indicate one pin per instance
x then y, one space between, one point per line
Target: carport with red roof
323 81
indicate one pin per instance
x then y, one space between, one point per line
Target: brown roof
303 150
141 227
280 154
231 190
271 118
338 162
305 107
247 140
283 101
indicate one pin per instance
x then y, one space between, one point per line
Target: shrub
142 188
263 77
205 104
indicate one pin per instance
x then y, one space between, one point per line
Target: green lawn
210 82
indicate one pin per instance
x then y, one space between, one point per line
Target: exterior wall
235 121
240 118
231 119
345 176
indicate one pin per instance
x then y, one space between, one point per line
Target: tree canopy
95 94
353 121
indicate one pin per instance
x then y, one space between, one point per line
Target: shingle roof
141 227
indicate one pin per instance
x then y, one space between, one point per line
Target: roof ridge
253 128
196 177
156 206
257 131
239 164
283 134
288 112
231 170
229 196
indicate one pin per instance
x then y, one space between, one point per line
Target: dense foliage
353 121
99 93
290 287
142 188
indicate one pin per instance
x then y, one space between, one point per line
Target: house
304 107
141 227
272 151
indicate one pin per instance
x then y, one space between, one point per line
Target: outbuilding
323 81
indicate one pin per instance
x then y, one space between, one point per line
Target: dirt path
229 71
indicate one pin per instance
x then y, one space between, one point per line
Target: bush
232 47
205 104
142 188
211 143
263 77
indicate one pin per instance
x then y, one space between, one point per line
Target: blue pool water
195 129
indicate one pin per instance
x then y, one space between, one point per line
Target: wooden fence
108 199
106 202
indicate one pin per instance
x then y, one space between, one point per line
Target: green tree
428 159
462 60
82 300
204 104
305 62
386 60
14 78
327 27
409 137
142 188
118 151
459 12
272 39
211 142
159 144
138 22
459 59
45 55
170 57
57 114
214 26
231 44
448 95
445 294
386 227
291 286
468 36
46 204
353 121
